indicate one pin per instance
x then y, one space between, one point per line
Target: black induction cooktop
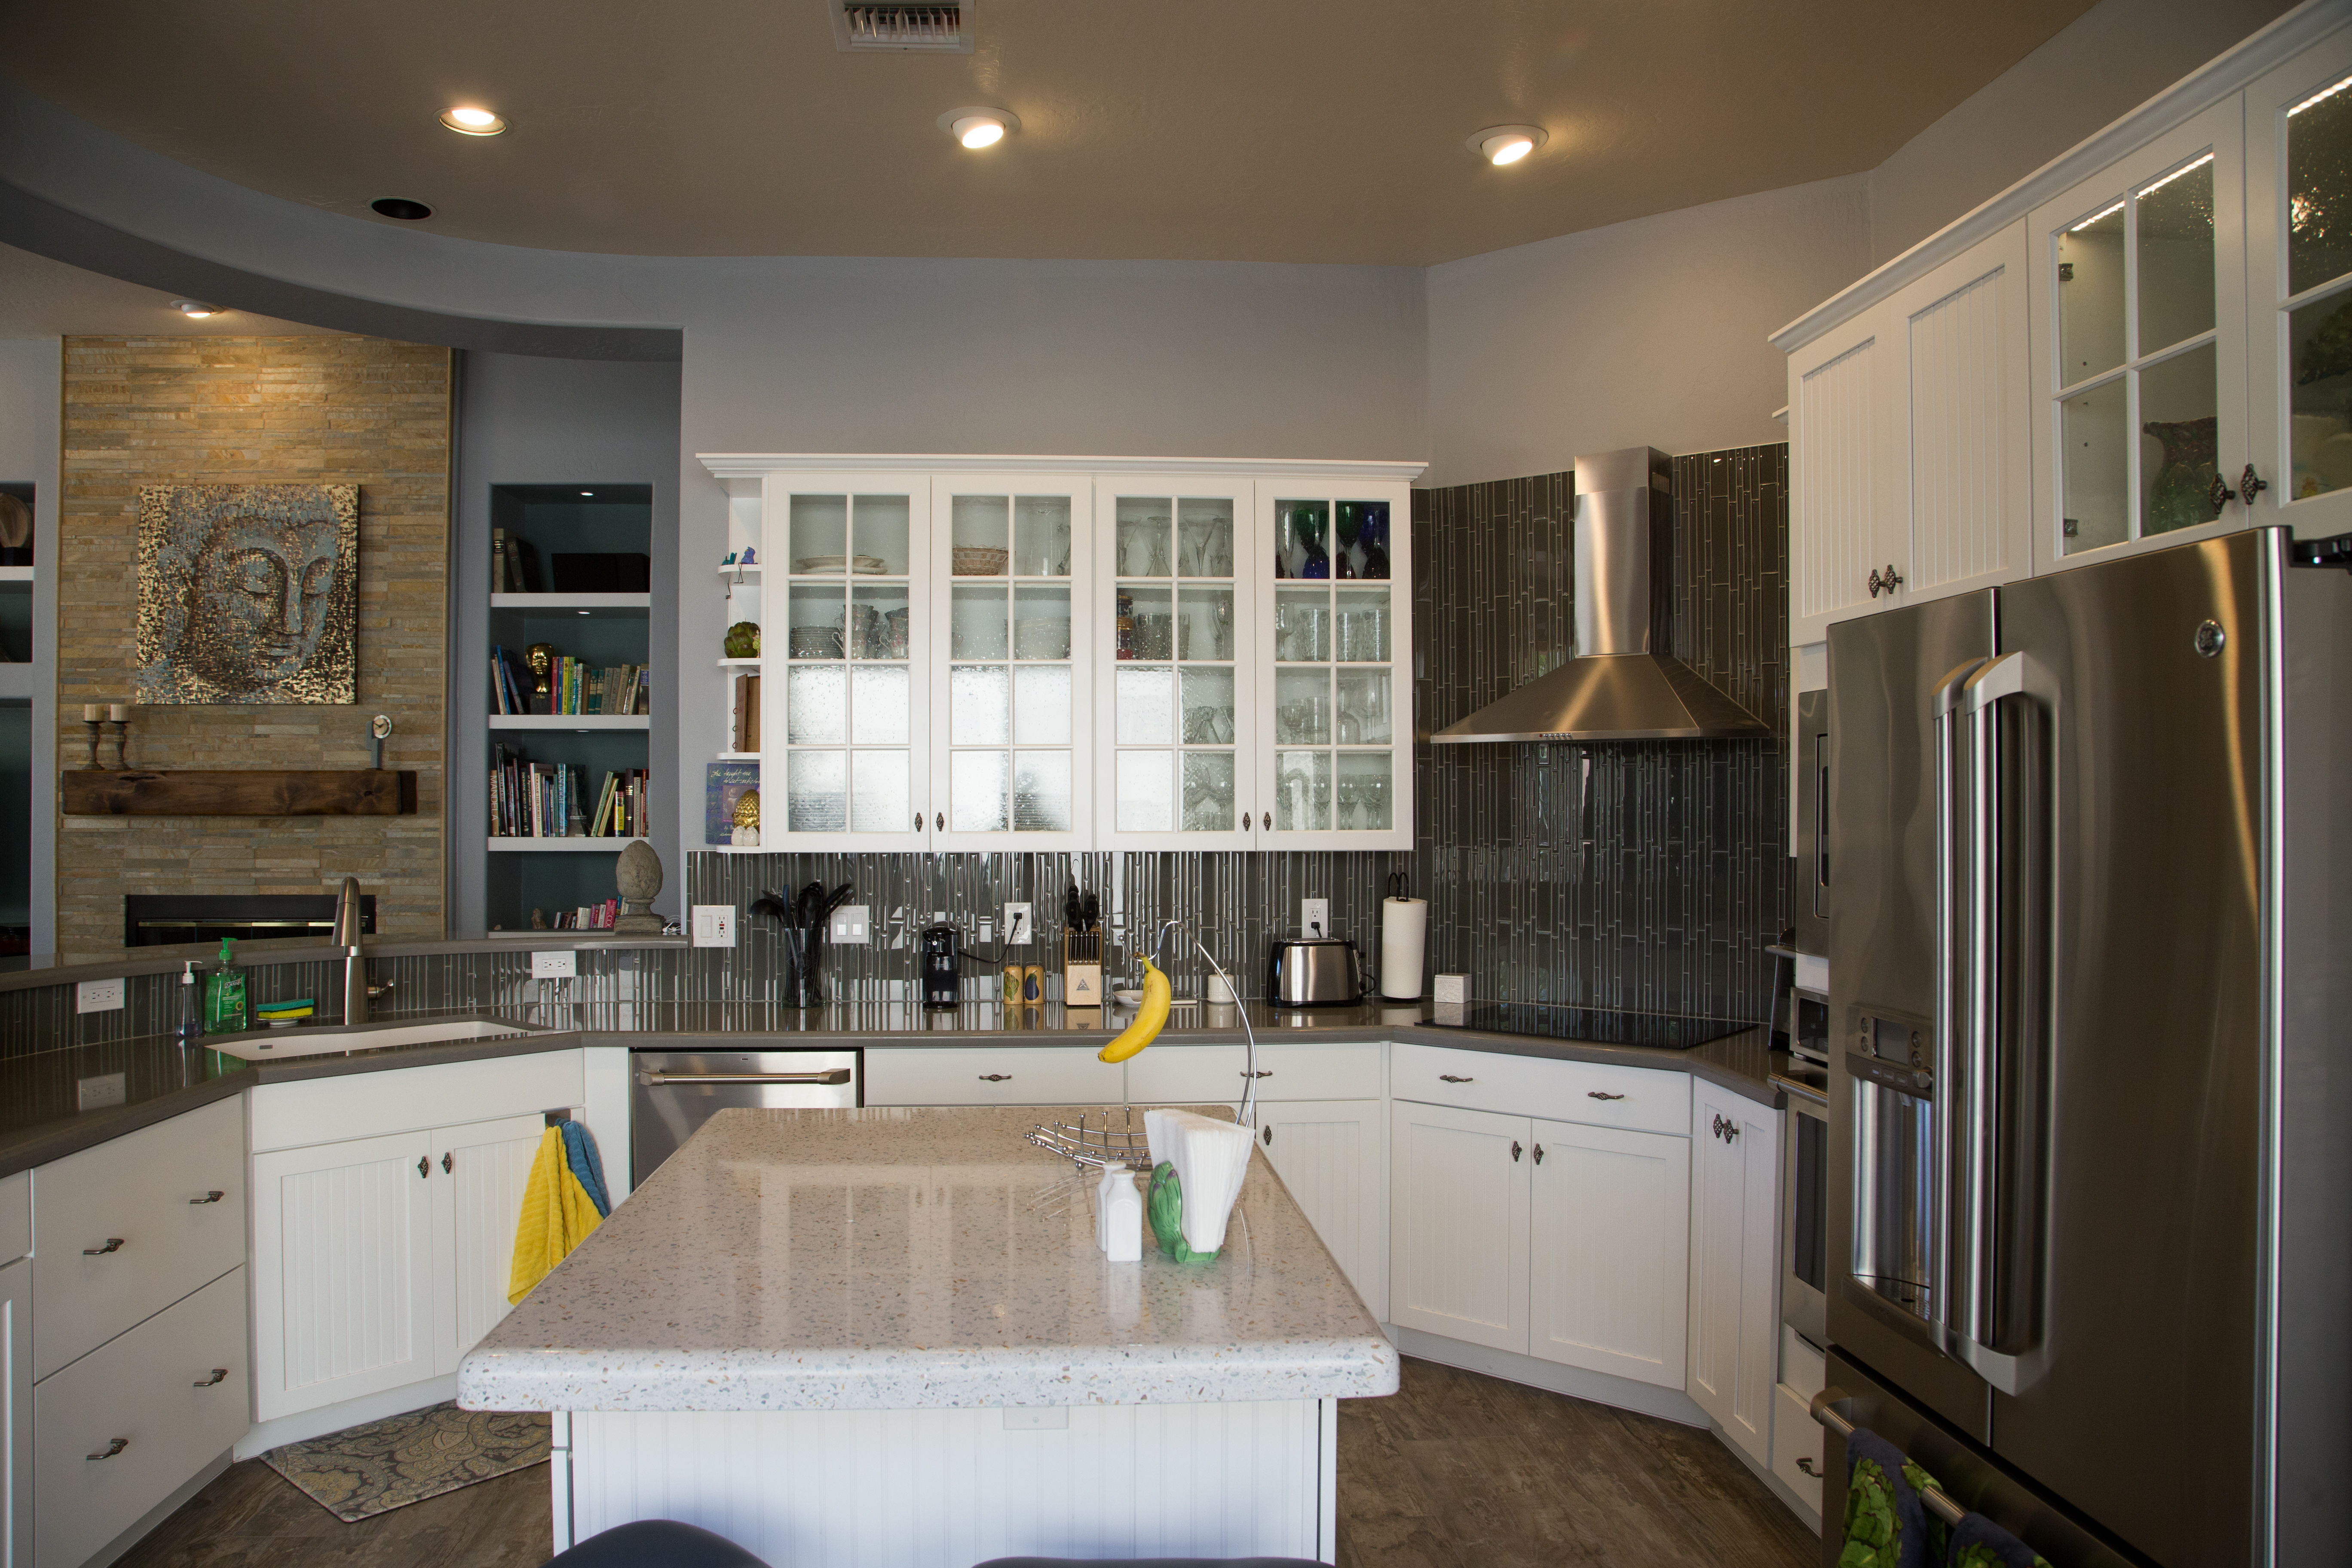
1593 1024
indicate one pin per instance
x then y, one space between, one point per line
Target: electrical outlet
1315 916
1018 932
98 997
98 1093
554 965
714 925
849 927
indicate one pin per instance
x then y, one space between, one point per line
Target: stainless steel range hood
1615 688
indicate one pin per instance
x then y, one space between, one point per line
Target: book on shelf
498 561
587 917
508 684
574 687
522 574
541 800
745 736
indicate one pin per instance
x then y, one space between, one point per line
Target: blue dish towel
1885 1527
1978 1542
580 1153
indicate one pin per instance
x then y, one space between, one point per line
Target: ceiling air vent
930 29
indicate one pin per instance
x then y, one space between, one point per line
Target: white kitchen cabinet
1734 1263
1177 669
1327 1154
17 1415
121 1428
990 1075
1609 1249
1844 530
343 1271
1174 1073
1458 1196
487 1165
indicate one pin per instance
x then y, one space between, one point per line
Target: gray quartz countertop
902 1259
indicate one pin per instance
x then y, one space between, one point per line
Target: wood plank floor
1456 1471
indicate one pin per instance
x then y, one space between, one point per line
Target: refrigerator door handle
1952 972
1970 1320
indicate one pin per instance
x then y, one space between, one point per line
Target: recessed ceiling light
472 122
587 492
978 128
195 310
1500 144
400 208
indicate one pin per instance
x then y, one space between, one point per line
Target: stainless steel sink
280 1045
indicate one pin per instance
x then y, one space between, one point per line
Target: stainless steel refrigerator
2090 949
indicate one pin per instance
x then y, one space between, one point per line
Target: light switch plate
1018 931
98 1093
1036 1418
714 925
849 926
1314 917
97 995
554 965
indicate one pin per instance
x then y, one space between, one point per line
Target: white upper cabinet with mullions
1027 653
2148 341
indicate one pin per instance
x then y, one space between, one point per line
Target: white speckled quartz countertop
902 1259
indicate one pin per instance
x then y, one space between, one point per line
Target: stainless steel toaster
1314 972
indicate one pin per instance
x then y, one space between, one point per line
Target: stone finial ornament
639 876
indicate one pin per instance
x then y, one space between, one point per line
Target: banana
1150 1018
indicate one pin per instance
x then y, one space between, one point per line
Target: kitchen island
886 1336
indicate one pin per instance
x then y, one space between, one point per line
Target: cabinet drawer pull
213 1197
218 1373
1539 1154
1516 1150
424 1166
112 1449
1886 584
939 821
1452 1077
996 1077
1265 820
114 1243
1805 1463
1262 1072
1597 1094
447 1161
1269 1137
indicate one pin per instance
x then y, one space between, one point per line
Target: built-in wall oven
1805 1203
677 1092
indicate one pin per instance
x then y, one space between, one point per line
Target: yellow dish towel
557 1216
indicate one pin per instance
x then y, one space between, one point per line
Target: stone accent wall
298 410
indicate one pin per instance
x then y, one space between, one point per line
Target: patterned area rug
366 1471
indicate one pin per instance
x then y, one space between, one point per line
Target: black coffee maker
942 974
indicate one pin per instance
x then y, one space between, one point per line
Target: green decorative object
1165 1205
744 640
2181 496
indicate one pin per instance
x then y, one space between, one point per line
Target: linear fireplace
157 919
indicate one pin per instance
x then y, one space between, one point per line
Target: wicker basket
978 560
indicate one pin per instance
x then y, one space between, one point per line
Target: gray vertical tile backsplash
1629 874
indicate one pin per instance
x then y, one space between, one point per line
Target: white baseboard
1600 1388
304 1425
158 1514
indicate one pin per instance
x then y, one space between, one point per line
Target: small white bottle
1119 1216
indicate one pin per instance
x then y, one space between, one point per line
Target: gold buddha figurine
747 820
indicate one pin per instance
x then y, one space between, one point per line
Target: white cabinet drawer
153 1390
151 1191
1187 1074
1797 1442
414 1099
991 1075
1600 1094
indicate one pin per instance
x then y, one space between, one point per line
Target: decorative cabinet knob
1262 1072
1539 1154
447 1161
1599 1094
218 1372
2251 484
1452 1077
112 1449
1269 1137
1805 1463
1885 585
424 1166
2220 495
114 1243
213 1197
996 1077
1515 1150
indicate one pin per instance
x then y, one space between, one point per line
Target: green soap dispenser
225 995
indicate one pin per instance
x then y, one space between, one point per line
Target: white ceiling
1237 129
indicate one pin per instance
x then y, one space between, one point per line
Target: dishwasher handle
830 1075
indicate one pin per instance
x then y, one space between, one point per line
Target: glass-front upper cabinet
1333 586
2140 349
844 706
1010 624
1176 709
2299 287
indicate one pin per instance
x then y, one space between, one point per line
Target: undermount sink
277 1045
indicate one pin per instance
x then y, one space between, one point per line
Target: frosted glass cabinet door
1332 581
2138 348
843 701
2299 291
1176 696
1011 623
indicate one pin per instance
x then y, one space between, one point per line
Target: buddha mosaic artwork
248 593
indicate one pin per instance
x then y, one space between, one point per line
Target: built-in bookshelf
569 781
737 692
24 789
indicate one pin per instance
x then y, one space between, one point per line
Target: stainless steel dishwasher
677 1092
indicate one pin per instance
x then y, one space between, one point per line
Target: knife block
1081 969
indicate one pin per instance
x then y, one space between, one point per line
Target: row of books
572 687
514 566
548 800
746 731
587 917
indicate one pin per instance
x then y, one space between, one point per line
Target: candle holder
93 726
122 727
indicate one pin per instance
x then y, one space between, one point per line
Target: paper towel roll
1404 927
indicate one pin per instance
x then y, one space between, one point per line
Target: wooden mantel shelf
241 792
